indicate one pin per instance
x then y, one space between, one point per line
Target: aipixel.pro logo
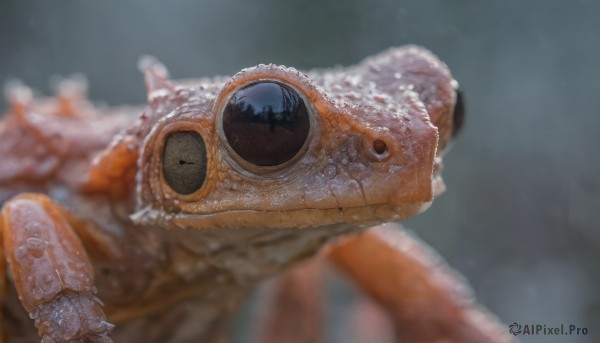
546 330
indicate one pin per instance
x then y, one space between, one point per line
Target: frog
152 223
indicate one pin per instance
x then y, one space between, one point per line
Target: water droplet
20 253
352 152
330 171
182 92
36 247
352 95
375 68
33 229
380 98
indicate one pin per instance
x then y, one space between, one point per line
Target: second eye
266 123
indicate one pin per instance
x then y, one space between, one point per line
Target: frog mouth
359 216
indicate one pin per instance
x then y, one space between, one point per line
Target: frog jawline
359 216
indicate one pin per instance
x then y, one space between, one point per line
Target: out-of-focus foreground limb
427 300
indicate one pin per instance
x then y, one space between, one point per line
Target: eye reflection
266 123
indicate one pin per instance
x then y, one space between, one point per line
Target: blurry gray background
521 216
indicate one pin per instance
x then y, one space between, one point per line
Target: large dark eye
184 161
266 123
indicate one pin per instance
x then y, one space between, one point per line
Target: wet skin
151 223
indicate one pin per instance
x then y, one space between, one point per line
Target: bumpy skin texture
51 272
93 235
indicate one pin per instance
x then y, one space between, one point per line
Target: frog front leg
295 312
51 271
424 297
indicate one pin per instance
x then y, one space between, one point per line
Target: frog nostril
376 148
380 147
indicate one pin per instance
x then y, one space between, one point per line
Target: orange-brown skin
93 234
295 308
421 295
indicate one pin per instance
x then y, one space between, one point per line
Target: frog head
273 147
